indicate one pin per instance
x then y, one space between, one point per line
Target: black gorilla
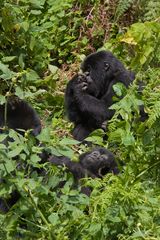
89 95
20 116
95 163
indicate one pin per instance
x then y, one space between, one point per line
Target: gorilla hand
82 84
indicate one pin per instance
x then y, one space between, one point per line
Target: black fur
20 115
95 163
89 95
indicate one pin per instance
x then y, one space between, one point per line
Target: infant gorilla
96 163
89 95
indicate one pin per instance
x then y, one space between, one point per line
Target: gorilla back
19 115
89 95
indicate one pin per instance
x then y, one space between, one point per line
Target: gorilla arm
75 168
71 107
93 109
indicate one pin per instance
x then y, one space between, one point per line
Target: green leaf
19 92
15 136
66 151
68 141
31 75
138 235
2 146
38 3
128 140
2 137
25 25
2 99
54 218
44 136
95 227
10 165
119 89
35 158
15 152
53 69
32 43
9 59
21 60
7 73
35 12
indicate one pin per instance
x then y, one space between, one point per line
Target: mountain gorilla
19 116
95 163
89 95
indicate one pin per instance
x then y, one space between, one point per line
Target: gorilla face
88 84
99 162
101 67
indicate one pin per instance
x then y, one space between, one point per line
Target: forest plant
122 7
35 35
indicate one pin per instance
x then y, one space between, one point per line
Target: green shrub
37 39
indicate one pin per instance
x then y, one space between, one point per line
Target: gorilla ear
106 66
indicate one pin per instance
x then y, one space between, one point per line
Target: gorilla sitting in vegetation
89 95
95 163
21 117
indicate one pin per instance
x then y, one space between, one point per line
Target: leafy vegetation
42 45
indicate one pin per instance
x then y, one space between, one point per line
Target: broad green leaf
25 25
68 152
53 69
35 12
7 73
15 152
32 75
94 227
19 92
2 99
119 89
54 218
68 141
35 158
44 136
9 58
128 140
10 165
2 137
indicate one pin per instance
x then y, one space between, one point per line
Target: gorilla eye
106 66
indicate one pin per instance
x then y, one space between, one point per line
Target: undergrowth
42 45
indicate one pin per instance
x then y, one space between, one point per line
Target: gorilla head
101 68
99 162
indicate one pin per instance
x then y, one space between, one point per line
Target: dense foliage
42 45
